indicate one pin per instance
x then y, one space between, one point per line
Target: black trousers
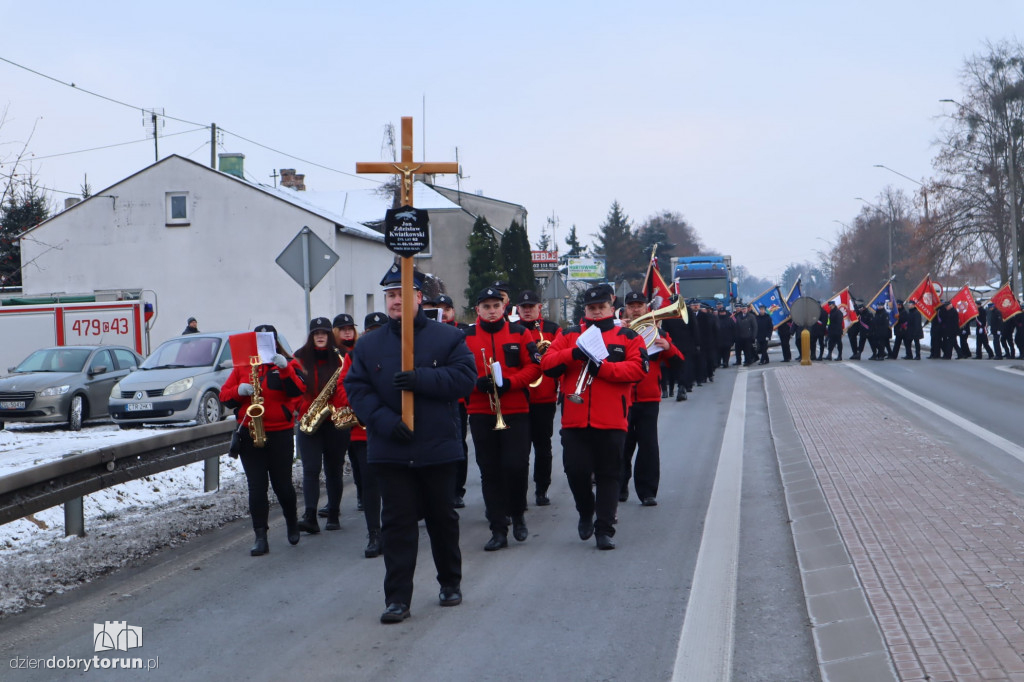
762 350
642 436
981 341
744 351
542 428
463 466
406 492
590 454
833 343
723 355
371 491
997 344
270 464
907 341
1007 340
504 461
324 449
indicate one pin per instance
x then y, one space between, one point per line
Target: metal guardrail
68 480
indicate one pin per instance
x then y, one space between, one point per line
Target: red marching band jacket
606 401
547 391
512 346
275 387
318 378
649 388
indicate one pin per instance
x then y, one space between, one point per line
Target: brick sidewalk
936 543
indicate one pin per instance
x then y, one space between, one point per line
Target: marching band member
279 385
594 429
503 454
321 363
642 431
414 468
543 396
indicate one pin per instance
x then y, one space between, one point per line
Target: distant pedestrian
191 327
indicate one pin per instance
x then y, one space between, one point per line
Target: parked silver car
64 384
180 381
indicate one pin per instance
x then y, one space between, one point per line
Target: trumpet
647 324
493 397
542 346
256 410
584 380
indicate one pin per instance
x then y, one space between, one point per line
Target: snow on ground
123 524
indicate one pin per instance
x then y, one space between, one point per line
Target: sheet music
265 346
591 342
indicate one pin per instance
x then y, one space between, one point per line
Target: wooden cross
407 169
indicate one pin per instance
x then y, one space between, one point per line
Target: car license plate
138 407
12 404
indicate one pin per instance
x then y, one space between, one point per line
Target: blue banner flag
794 293
887 300
773 304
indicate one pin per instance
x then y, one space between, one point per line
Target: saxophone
321 406
255 410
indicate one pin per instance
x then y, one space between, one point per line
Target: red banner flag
655 289
925 298
965 306
844 301
1005 302
243 347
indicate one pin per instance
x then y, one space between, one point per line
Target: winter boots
260 547
309 522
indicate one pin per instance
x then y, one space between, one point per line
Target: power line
110 146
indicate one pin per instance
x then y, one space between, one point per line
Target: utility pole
213 146
156 144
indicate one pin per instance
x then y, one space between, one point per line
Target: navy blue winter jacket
445 372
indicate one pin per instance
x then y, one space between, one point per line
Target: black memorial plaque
406 230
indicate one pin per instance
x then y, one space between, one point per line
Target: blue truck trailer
706 278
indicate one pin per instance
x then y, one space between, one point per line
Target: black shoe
333 521
373 545
605 542
293 531
359 505
323 511
664 393
260 547
649 501
543 500
519 530
585 528
450 596
309 523
682 396
623 496
497 541
395 613
459 503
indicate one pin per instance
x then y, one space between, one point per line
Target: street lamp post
1015 271
924 188
890 230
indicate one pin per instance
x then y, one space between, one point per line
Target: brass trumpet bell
646 324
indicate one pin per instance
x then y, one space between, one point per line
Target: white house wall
219 268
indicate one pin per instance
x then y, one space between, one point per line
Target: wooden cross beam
407 169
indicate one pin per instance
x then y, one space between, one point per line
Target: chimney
290 179
232 164
70 201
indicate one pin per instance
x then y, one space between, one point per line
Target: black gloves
485 384
401 433
505 385
405 381
579 355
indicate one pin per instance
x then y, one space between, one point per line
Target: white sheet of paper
265 346
496 369
592 343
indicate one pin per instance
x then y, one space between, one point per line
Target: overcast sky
757 121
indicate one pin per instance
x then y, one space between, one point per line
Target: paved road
552 608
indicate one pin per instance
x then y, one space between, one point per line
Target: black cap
393 278
528 297
374 320
190 320
489 292
344 320
599 294
444 300
321 324
635 297
501 286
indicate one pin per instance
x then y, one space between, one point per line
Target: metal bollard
74 518
805 347
211 474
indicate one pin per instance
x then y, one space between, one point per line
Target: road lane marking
970 427
706 641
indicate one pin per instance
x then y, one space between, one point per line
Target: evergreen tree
575 248
515 252
619 245
26 207
544 243
485 262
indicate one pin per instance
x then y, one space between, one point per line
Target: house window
177 209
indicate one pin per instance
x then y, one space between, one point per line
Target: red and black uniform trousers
543 403
324 449
502 455
594 431
273 462
642 432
